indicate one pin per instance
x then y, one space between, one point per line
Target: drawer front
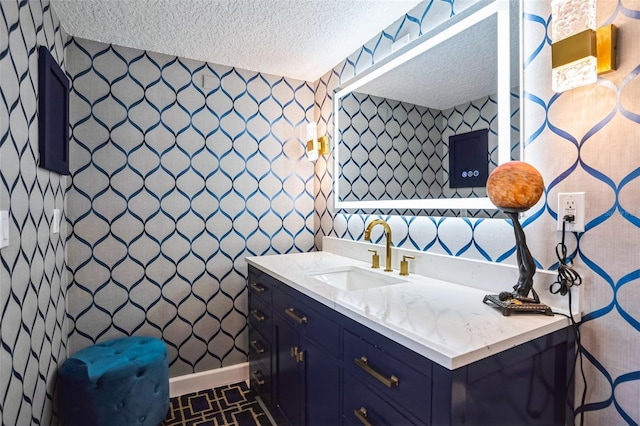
282 301
260 350
260 316
260 365
391 378
309 321
363 407
260 382
261 284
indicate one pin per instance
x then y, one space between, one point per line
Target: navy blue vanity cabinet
327 369
530 384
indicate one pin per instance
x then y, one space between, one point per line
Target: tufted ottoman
118 382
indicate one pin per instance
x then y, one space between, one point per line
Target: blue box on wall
53 114
469 159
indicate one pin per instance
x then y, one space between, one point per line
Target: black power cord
567 278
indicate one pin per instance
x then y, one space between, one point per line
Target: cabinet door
322 385
289 383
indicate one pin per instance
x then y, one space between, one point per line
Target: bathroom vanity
326 349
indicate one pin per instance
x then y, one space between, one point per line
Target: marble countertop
443 321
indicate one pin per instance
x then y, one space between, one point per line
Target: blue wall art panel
175 180
33 275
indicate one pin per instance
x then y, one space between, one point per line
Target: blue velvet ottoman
118 382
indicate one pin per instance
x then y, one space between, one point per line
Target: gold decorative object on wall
323 145
316 146
580 52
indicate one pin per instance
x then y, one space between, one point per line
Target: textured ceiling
300 39
459 70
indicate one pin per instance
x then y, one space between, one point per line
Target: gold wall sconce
579 52
316 146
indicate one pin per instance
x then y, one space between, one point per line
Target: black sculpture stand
510 306
518 300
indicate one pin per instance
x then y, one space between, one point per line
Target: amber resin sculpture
515 187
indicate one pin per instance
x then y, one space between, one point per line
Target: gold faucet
387 228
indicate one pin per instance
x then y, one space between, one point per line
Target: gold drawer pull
256 378
361 415
363 363
292 313
257 287
259 316
257 347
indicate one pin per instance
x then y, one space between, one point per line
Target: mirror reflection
394 131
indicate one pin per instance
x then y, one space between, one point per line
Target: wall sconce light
579 53
316 146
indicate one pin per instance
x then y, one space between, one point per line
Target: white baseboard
209 379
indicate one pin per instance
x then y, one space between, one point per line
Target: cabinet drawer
260 365
259 349
261 284
260 381
260 316
388 376
308 321
363 407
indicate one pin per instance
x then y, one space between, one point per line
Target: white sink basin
351 278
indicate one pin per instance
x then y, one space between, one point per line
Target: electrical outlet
55 223
571 204
4 228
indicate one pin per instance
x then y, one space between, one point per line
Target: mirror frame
454 25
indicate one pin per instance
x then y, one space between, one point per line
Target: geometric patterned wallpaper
589 139
33 276
388 156
256 195
586 139
404 155
172 186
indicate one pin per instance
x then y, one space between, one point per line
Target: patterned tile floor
228 405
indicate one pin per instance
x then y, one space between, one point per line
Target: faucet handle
375 259
404 265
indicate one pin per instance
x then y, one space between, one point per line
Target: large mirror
412 131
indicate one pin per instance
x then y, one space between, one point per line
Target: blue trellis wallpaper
587 139
33 276
173 185
390 149
393 149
